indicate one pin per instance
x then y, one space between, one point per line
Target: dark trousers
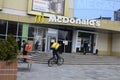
55 54
85 50
24 53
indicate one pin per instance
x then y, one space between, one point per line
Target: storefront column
74 41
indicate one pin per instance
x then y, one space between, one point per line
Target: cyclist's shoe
56 62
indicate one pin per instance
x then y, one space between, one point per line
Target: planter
8 70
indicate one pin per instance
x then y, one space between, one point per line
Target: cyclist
55 47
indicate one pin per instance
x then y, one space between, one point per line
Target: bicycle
53 61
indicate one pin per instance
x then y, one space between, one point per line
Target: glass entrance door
82 37
50 40
65 39
51 36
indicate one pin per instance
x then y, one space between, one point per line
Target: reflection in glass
3 27
30 32
2 36
96 9
12 28
64 35
20 29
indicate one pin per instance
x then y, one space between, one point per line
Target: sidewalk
70 72
75 67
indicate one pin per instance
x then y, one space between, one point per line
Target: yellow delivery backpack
55 45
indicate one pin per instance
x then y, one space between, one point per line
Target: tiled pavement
76 67
70 72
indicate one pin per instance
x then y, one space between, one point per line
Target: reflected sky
90 9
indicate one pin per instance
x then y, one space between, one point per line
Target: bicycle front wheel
60 61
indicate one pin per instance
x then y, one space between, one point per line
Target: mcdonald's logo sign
39 19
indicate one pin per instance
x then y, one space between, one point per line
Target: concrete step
41 57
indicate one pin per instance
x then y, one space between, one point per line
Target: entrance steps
78 59
41 57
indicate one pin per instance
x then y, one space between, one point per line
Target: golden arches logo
39 19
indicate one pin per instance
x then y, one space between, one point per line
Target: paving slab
69 72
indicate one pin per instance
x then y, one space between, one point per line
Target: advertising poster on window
49 6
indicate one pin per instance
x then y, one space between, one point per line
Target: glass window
31 32
100 4
3 27
20 29
19 42
12 27
64 35
2 36
96 9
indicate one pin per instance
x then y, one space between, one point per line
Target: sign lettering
59 19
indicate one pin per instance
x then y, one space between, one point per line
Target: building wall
22 5
102 44
1 5
23 8
19 12
105 43
116 44
109 44
74 41
117 15
15 4
70 8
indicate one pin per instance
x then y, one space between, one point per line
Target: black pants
55 54
24 53
85 50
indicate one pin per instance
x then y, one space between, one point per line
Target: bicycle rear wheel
51 62
60 61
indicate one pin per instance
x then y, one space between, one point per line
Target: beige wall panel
71 4
16 4
71 8
109 25
70 13
103 53
1 4
17 18
116 42
106 24
115 54
66 10
102 42
4 16
116 23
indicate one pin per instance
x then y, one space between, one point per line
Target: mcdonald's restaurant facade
30 25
